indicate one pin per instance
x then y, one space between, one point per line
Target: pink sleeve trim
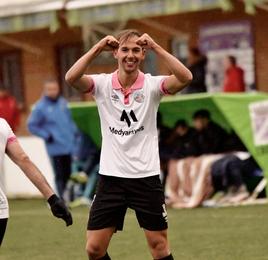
90 88
163 89
11 139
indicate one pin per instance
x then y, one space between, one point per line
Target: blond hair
126 34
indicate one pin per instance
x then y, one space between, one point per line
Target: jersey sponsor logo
122 132
127 118
139 97
115 98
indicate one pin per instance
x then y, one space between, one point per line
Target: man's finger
142 42
113 44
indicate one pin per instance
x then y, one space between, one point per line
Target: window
10 74
66 56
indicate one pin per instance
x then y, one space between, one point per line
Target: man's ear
115 53
143 53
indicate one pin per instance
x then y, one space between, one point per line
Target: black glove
59 209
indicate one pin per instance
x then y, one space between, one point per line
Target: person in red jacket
234 76
9 109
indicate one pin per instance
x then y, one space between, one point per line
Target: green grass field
226 233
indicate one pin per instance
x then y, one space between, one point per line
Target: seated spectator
211 138
163 135
84 175
9 109
182 141
234 76
230 176
182 144
188 176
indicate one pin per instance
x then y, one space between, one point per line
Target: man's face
227 63
52 90
181 130
200 123
129 55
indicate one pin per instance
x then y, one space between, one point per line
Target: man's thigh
146 197
108 208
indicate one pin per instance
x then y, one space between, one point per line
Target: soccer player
129 167
9 145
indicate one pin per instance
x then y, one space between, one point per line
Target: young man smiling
129 167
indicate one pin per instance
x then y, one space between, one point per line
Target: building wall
37 67
190 23
40 65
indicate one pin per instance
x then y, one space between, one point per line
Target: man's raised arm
75 76
181 76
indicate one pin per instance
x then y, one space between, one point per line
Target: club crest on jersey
115 98
139 96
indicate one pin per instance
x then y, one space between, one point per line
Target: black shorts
114 195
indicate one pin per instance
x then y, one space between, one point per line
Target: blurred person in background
211 138
163 137
182 145
9 109
233 77
188 176
9 145
51 120
182 140
85 167
197 65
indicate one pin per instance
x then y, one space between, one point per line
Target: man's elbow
188 78
69 78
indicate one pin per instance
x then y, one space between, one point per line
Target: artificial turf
203 233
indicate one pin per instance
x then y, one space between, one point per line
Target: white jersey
6 136
128 125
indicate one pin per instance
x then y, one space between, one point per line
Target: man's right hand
60 210
108 43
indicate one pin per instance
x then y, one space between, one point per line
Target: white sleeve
158 86
98 81
10 136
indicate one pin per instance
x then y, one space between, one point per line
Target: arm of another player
181 76
75 76
19 157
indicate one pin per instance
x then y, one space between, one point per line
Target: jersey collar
138 84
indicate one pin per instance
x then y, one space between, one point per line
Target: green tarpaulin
229 110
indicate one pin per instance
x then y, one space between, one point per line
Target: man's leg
62 170
158 244
146 197
98 242
106 216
